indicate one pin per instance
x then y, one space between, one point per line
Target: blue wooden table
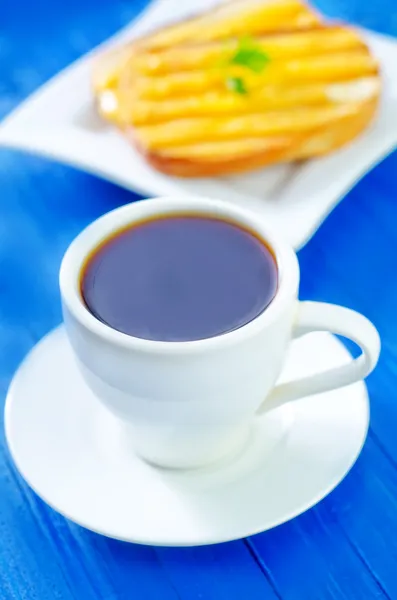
346 547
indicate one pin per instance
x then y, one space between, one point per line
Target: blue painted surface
346 547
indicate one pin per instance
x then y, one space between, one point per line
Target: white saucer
73 454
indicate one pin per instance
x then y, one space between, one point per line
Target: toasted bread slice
317 88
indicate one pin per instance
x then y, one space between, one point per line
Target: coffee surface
179 278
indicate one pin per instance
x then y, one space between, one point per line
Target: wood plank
348 541
343 549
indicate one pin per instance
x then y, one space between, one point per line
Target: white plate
59 121
73 454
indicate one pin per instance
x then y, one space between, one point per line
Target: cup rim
109 223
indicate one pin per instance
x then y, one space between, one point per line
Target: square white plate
59 121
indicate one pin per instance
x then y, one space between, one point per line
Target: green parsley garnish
236 84
249 54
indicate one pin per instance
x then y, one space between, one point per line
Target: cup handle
319 316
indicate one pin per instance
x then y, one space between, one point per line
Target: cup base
261 436
192 451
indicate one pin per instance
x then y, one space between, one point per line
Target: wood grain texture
345 548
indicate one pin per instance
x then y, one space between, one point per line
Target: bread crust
315 143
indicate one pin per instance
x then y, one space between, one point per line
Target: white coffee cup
186 404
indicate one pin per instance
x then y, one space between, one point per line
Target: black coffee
179 278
